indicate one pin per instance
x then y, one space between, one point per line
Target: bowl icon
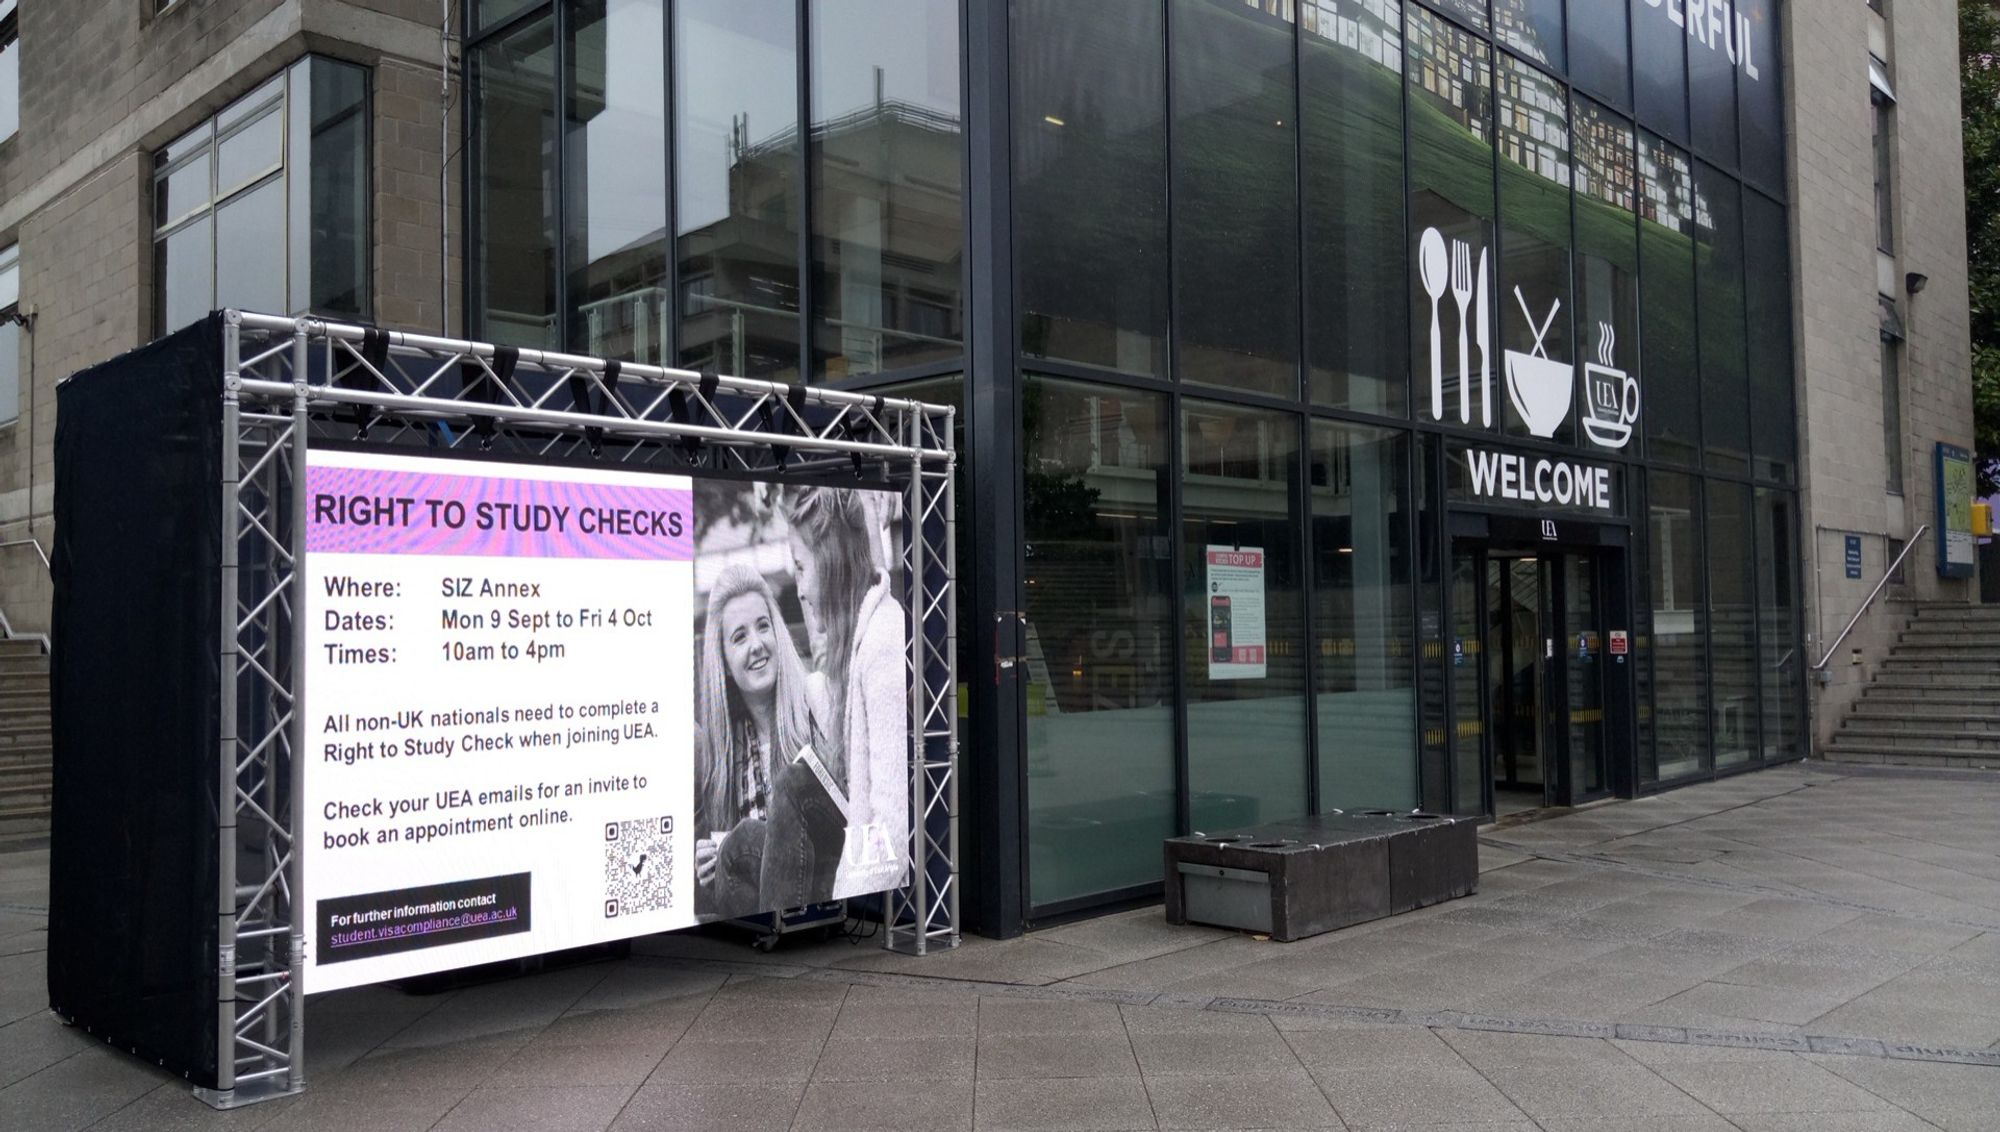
1541 390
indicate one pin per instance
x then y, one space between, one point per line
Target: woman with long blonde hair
754 721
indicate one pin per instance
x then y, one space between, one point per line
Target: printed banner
548 707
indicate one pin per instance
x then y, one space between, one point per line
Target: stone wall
103 84
1831 120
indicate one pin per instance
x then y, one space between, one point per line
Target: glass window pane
10 88
1672 413
1760 94
1725 401
1607 278
1680 630
1598 50
736 182
514 151
1711 48
1090 182
616 161
1536 359
1100 594
1236 266
10 372
1782 656
1443 791
1732 614
336 218
488 13
1362 618
1450 81
250 105
888 235
10 275
183 276
250 250
1469 12
1659 67
1351 90
254 150
1768 275
1534 28
1245 676
181 192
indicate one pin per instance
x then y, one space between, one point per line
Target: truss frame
287 382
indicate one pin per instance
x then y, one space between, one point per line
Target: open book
812 761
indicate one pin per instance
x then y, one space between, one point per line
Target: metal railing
1872 595
7 629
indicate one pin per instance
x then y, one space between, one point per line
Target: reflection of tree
1060 506
726 504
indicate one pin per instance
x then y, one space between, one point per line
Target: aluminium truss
290 382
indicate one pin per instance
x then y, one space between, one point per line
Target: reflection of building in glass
1604 156
1666 185
1373 28
888 172
1515 26
1450 64
1534 121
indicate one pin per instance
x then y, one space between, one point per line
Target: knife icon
1485 339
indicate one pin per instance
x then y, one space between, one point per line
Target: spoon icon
1433 265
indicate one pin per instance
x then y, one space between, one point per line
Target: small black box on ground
1300 878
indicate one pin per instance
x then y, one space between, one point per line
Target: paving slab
1242 1100
1085 1104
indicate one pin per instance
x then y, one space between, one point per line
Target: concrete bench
1299 878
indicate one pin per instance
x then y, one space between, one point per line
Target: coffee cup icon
1610 395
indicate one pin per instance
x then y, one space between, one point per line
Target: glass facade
770 188
1338 337
265 206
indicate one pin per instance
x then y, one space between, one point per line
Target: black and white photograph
802 745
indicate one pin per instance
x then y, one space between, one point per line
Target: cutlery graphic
1431 264
1483 332
1461 289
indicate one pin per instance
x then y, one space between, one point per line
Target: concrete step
20 646
1917 740
1862 756
24 819
26 775
1919 636
25 794
1987 654
1957 611
1874 714
1969 685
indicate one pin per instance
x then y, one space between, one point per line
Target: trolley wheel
765 943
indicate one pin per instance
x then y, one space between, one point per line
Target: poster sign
548 707
1958 547
1235 613
1852 556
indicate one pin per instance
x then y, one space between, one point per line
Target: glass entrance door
1529 685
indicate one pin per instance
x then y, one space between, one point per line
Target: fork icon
1461 289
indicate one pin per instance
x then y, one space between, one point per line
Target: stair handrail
7 627
34 542
1922 530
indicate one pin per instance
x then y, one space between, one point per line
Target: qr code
638 866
